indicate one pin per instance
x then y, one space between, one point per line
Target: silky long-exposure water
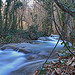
11 60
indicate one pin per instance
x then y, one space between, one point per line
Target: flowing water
11 60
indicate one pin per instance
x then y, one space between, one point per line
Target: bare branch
65 8
49 56
56 26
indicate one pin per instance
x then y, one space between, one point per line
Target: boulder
43 54
26 51
32 57
9 47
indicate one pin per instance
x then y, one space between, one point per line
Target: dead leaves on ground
65 65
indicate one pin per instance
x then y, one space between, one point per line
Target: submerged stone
9 47
26 51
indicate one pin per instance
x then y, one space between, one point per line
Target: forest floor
65 65
4 41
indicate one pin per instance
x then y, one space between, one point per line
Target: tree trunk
0 17
68 27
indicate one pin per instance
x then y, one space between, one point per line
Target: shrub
33 32
8 38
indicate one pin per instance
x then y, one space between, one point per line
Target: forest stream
25 58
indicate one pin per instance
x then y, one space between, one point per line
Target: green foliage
19 35
33 32
53 68
66 50
8 39
67 43
42 72
18 4
23 33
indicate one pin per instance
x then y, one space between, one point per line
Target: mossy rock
26 51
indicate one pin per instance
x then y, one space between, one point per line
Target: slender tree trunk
21 23
0 17
6 16
69 26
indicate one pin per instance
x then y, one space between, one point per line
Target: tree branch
56 26
49 56
65 8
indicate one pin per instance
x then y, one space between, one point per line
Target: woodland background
26 19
